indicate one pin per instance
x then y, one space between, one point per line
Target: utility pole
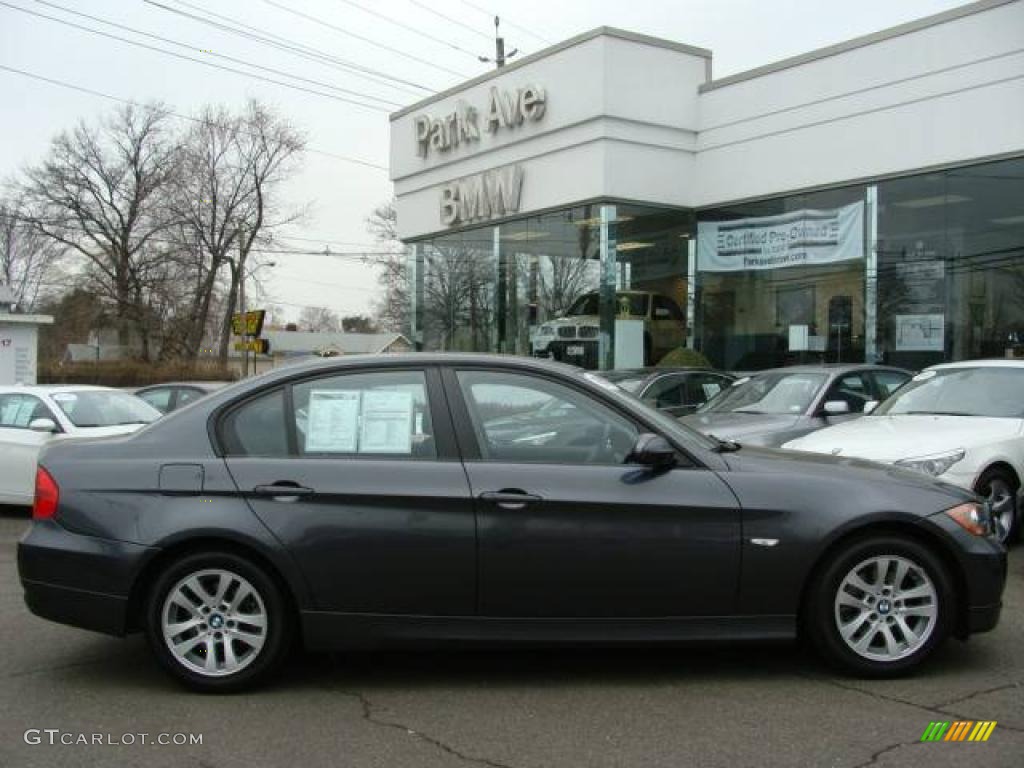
241 307
500 57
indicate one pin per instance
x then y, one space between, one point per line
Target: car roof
829 368
208 385
48 389
996 362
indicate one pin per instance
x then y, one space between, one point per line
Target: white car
30 417
959 422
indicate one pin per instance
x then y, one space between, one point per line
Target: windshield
989 391
777 393
671 426
634 304
627 380
104 408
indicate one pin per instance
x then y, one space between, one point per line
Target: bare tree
226 202
99 192
27 259
392 310
319 319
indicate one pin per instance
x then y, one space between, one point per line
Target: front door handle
511 498
283 490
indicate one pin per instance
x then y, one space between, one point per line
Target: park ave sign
494 193
505 109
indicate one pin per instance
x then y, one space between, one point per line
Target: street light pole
241 307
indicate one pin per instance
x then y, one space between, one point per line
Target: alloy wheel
214 622
1002 501
886 608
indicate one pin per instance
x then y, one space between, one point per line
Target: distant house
287 346
19 335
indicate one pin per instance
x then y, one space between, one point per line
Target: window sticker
386 422
333 421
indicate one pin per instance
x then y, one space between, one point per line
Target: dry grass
131 373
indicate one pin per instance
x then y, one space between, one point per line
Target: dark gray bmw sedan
367 501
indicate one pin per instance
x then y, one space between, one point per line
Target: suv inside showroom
572 338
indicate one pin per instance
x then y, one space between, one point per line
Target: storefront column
871 274
691 291
607 304
499 342
414 272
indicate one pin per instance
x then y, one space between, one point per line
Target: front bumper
78 580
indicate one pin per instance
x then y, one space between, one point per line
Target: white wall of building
937 95
634 118
609 129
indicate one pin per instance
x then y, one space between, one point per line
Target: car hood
892 438
740 426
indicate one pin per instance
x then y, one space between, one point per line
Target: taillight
47 496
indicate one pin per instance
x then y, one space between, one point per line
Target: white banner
792 239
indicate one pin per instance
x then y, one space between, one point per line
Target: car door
667 393
855 389
358 476
20 445
567 528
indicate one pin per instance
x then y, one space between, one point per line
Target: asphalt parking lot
739 706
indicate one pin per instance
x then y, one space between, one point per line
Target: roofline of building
622 34
26 319
857 42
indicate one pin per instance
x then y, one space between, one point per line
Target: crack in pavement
941 710
369 716
968 697
892 747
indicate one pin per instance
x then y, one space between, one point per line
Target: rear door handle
510 499
283 491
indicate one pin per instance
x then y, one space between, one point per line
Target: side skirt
324 630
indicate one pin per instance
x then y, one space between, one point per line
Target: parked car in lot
32 417
174 394
771 407
574 337
959 422
676 391
397 510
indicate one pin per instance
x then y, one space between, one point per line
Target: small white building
19 341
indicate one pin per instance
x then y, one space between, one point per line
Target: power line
336 28
450 20
232 59
131 103
528 31
197 61
297 49
409 27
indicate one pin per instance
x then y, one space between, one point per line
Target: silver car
775 406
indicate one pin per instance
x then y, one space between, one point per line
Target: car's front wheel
217 622
881 606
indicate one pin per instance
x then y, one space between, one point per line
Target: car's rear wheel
1000 488
881 606
217 622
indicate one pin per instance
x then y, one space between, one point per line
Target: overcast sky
434 45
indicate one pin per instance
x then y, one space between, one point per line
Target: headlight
973 518
934 465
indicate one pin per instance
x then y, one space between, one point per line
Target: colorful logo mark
959 730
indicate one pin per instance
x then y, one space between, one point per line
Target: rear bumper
78 580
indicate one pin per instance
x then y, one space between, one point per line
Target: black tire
278 623
821 617
984 488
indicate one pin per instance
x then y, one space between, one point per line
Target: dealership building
861 202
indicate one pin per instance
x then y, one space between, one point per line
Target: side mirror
836 407
653 451
43 425
869 406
